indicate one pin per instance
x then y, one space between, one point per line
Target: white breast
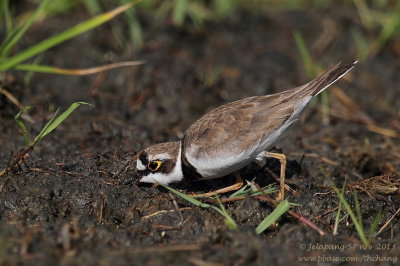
213 167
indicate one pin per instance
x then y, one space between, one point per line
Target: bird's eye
154 165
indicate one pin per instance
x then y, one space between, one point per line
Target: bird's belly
210 167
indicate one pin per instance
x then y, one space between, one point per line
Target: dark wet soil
62 207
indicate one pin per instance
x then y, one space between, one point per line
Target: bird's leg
236 186
282 160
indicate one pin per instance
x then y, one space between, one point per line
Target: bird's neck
189 171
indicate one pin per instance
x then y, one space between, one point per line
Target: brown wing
234 126
237 125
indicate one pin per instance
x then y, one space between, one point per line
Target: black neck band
189 171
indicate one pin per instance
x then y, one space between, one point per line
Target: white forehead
140 165
161 156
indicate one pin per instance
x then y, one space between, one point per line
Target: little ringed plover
229 137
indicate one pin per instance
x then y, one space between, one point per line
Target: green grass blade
221 8
59 6
29 74
353 217
357 207
337 218
56 121
229 222
186 197
264 190
197 13
93 6
240 192
162 11
365 14
5 11
10 42
21 124
374 225
361 43
251 190
389 29
311 70
63 36
305 55
179 11
135 29
282 207
39 136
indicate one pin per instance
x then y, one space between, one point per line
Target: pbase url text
361 258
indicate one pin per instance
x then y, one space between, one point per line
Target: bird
231 136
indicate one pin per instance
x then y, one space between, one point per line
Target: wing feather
233 127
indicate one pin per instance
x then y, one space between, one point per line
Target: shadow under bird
229 137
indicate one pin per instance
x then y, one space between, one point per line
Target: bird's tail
323 81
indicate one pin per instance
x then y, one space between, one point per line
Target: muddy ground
62 207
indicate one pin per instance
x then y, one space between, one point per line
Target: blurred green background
379 20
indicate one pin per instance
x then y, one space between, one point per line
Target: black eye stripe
166 166
143 158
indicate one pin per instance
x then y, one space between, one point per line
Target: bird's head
160 163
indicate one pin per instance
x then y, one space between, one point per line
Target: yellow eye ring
154 165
